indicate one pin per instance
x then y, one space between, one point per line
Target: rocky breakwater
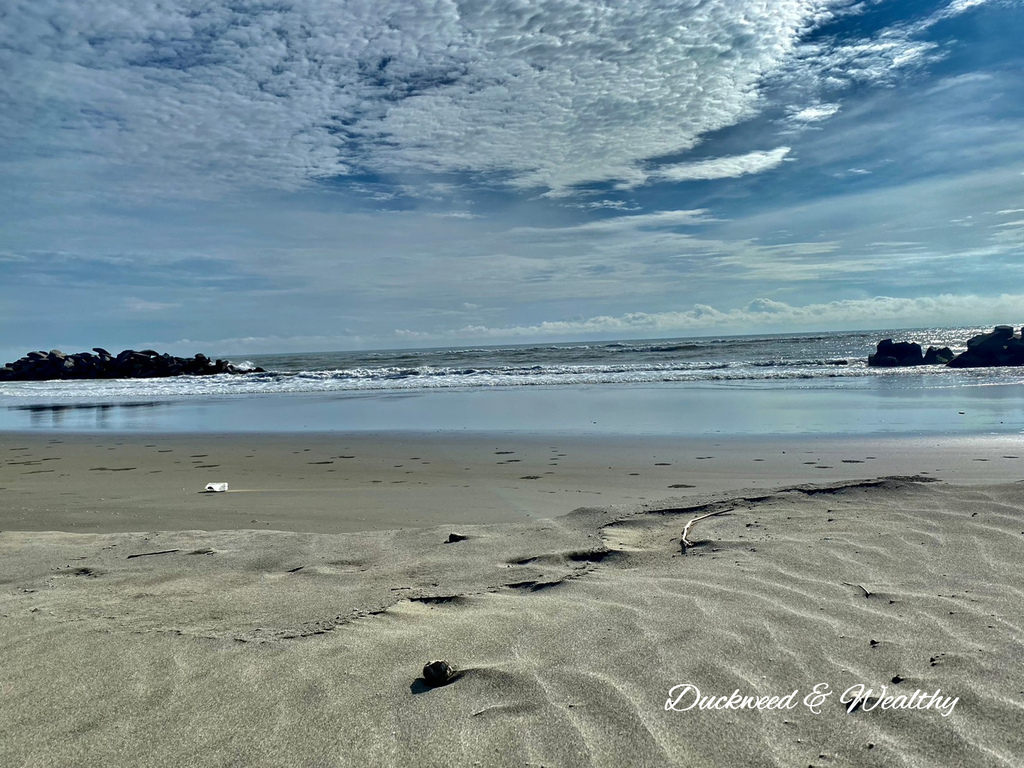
998 348
100 364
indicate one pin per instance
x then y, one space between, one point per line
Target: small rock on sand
437 673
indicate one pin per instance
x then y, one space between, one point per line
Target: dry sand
287 623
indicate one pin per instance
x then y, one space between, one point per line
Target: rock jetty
100 364
996 349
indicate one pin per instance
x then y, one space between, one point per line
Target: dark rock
998 348
938 356
39 366
991 340
883 361
437 673
995 349
903 352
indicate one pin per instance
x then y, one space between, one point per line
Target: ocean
755 384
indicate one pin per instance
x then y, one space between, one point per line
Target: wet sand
335 483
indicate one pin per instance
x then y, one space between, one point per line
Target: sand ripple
261 647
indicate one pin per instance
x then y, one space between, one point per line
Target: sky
236 176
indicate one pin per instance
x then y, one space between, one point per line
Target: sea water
756 384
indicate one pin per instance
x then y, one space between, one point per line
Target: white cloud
594 205
553 93
959 6
657 220
761 314
815 113
723 167
258 344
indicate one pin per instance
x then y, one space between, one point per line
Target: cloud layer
759 316
549 94
297 171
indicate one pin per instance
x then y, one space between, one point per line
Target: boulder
938 356
1000 347
996 349
882 361
891 353
991 340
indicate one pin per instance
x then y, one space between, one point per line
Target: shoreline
897 405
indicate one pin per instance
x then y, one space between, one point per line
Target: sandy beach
287 621
418 384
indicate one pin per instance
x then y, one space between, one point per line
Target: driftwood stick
861 586
686 544
147 554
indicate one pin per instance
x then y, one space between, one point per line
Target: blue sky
275 175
